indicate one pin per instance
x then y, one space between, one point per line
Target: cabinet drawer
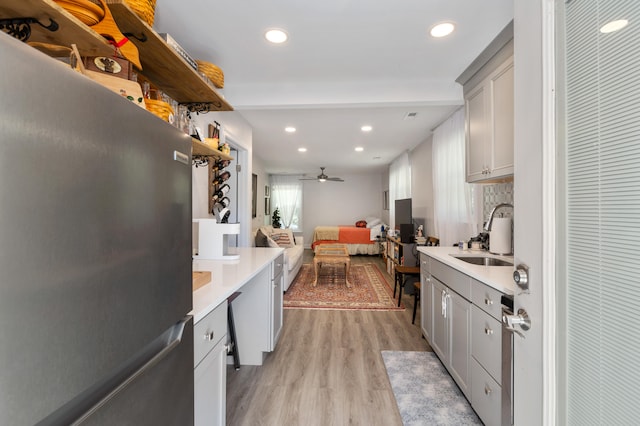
278 265
208 331
487 298
486 395
486 341
455 280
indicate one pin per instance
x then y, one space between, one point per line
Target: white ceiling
347 63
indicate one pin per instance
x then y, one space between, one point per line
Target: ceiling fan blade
308 179
335 179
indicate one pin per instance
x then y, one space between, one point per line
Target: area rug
369 289
424 391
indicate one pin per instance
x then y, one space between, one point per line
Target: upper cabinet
489 102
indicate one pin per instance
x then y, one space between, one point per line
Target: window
286 195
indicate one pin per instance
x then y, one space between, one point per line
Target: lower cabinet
210 373
461 321
451 333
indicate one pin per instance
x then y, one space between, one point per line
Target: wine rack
216 173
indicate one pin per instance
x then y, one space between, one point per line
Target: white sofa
292 255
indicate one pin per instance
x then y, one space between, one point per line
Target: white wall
341 203
422 185
263 179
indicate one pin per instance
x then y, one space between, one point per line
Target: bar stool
416 298
401 275
233 344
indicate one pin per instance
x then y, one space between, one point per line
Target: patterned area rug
425 393
369 289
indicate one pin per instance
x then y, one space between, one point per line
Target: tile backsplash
495 194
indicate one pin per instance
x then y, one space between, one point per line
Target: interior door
530 212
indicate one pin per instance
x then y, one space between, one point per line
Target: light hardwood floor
327 368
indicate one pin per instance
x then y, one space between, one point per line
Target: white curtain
399 183
286 194
452 196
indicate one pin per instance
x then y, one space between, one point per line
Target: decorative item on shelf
125 88
212 142
214 134
87 12
145 9
225 148
213 72
179 50
160 109
115 66
108 29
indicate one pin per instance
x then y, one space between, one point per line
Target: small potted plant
275 219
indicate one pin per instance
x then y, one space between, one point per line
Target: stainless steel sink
483 260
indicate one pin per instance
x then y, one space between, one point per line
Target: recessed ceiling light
612 26
276 36
289 129
366 128
442 30
302 149
359 149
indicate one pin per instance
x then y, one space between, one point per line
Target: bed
358 240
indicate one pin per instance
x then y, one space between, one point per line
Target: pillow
261 239
373 222
283 238
361 224
271 243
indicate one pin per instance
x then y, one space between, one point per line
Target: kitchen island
257 312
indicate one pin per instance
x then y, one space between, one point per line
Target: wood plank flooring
327 368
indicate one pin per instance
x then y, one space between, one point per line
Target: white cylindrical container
500 236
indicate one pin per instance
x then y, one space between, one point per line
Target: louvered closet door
602 302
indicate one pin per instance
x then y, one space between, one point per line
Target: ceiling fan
323 178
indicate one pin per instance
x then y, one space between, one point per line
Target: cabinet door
276 316
460 343
502 120
477 133
440 337
210 387
426 307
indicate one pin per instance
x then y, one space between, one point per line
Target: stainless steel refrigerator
95 253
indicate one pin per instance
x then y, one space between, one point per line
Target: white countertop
498 277
228 276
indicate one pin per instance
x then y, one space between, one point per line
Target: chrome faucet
487 226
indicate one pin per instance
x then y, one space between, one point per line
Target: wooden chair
416 298
401 275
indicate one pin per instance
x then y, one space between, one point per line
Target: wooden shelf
70 30
199 148
163 66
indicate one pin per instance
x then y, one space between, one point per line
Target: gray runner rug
424 391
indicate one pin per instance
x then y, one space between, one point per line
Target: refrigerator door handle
85 404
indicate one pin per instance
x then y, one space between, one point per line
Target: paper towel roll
500 236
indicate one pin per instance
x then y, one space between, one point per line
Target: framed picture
267 191
254 195
267 206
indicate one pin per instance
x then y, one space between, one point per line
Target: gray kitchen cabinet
426 298
210 373
451 313
461 321
486 352
488 89
489 126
